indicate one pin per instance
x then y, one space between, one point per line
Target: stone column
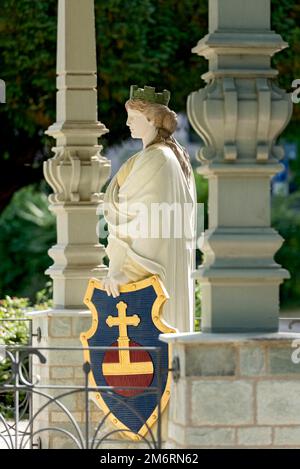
239 115
78 170
76 173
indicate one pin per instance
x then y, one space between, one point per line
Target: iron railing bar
21 387
29 349
55 400
20 353
16 394
30 379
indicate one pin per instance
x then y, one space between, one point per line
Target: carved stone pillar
78 170
76 174
239 115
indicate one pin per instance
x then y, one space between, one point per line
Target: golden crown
148 94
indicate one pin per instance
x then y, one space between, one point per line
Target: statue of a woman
160 175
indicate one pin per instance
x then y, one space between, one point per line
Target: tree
139 41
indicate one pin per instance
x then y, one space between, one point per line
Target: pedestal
235 391
62 328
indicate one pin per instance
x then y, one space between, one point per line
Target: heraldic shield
133 319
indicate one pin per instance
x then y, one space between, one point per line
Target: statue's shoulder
161 152
125 169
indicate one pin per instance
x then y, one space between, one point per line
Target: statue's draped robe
154 176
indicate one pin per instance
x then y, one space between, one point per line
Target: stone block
63 397
210 436
65 358
255 436
64 342
170 444
222 403
58 372
62 442
252 361
278 402
211 361
280 361
179 402
201 436
79 373
61 417
81 324
176 433
60 327
287 436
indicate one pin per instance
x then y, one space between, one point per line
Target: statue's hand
112 281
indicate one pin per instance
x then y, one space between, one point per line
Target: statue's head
149 115
148 112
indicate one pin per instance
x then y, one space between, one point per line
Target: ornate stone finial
148 94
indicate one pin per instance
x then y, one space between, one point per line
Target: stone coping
194 338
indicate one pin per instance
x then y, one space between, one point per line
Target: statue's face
138 124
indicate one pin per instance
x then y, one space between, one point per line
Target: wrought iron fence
22 429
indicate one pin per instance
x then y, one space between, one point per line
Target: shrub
15 330
286 220
27 231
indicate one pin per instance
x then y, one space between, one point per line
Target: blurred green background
150 41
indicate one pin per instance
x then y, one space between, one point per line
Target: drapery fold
132 212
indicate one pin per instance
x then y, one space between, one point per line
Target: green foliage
43 298
27 231
15 330
197 306
286 21
153 39
202 194
202 197
286 220
28 54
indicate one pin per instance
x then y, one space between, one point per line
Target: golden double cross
125 366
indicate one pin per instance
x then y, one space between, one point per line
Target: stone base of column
235 391
62 328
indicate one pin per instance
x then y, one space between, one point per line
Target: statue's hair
165 122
